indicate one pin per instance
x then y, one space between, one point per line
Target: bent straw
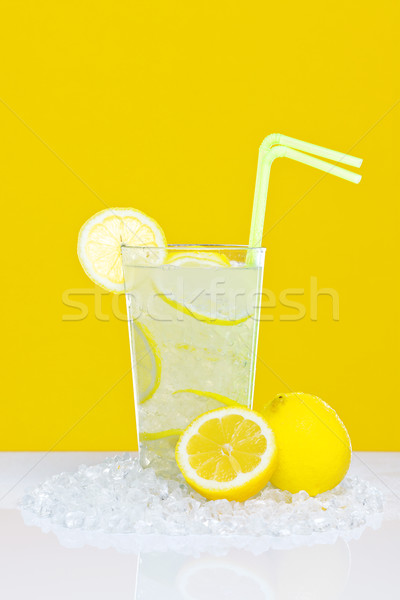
269 151
275 139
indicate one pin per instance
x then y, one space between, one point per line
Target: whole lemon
314 448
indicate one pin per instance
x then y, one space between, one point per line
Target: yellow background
162 106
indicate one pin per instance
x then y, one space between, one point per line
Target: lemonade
193 314
193 321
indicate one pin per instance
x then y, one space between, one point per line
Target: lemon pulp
101 237
227 453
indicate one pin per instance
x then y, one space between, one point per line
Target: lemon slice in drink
158 435
212 395
147 362
206 296
227 453
101 237
196 259
184 406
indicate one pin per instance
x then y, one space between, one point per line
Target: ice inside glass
193 314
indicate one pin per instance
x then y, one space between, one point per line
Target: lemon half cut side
101 237
227 453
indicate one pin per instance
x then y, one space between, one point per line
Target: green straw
275 139
277 145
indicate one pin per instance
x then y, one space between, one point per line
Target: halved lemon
197 294
227 453
147 362
101 237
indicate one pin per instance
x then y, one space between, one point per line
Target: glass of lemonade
193 315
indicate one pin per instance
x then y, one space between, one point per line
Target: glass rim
195 246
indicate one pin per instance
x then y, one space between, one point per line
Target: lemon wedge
101 237
227 453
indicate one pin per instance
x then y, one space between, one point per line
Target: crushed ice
119 496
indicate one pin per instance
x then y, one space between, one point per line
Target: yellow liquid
192 330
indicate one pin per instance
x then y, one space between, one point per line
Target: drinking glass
193 316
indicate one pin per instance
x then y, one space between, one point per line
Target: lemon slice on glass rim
227 453
101 237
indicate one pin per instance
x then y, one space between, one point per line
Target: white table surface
34 564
